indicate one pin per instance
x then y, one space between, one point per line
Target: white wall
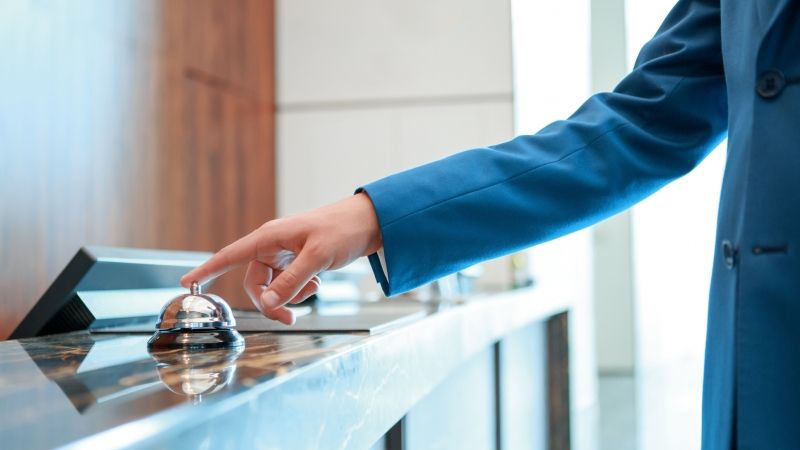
366 88
673 238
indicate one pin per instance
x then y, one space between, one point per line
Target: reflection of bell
195 320
196 373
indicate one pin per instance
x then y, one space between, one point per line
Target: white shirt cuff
382 260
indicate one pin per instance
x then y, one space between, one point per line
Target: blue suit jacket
713 67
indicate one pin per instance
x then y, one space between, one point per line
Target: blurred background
185 124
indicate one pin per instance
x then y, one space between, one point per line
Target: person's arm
433 220
618 148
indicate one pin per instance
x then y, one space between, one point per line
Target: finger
291 280
311 288
282 314
255 280
258 274
233 255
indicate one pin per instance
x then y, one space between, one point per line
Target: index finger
233 255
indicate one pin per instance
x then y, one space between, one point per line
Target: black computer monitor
107 286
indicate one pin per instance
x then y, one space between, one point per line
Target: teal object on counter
713 67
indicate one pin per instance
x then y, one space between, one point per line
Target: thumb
288 283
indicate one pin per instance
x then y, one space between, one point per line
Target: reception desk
491 372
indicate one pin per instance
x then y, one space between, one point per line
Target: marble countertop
283 390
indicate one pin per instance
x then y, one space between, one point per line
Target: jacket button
770 83
728 254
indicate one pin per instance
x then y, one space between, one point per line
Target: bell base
195 339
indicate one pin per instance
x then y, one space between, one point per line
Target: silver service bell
195 321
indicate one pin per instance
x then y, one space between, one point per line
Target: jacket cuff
377 260
379 272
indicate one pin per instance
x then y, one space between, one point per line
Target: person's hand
285 255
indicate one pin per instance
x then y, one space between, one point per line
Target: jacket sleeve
616 149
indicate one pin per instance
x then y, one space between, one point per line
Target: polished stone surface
283 390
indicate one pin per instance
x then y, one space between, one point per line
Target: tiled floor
658 409
617 395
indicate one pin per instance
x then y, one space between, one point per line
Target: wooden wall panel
131 123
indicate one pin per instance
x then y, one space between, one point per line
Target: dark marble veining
283 390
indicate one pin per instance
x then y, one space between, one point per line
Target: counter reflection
98 370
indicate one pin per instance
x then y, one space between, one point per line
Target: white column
613 257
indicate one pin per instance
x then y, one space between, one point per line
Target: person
714 67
